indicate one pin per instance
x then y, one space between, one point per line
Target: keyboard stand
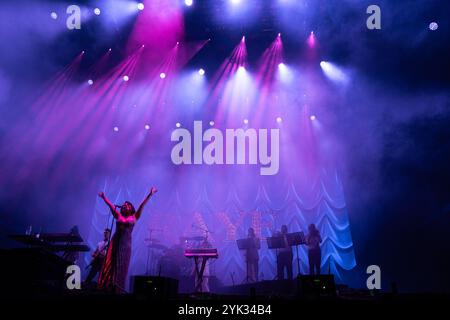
199 272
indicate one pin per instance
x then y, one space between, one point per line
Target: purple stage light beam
269 66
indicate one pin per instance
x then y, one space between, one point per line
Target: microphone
117 206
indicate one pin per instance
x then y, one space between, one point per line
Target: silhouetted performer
285 256
98 256
252 256
115 268
313 240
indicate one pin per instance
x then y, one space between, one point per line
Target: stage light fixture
245 121
279 120
188 2
90 82
334 72
433 26
140 6
211 123
147 127
235 1
116 129
311 40
54 15
285 74
178 124
126 78
97 11
201 72
313 117
162 75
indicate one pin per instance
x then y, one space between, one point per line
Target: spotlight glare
279 120
147 127
162 75
284 73
90 82
54 15
116 129
311 40
201 72
178 124
433 26
126 78
211 123
245 121
97 11
312 117
235 1
140 6
334 73
188 2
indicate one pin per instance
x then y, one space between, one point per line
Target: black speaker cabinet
317 285
154 287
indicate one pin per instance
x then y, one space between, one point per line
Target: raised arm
114 212
153 190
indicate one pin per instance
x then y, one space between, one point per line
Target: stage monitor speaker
154 287
317 285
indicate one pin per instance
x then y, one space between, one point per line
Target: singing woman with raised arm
115 268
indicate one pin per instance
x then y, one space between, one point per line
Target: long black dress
115 268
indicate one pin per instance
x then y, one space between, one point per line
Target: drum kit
170 261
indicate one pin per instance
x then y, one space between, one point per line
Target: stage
244 155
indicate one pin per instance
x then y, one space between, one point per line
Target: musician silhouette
285 256
98 256
252 256
313 240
